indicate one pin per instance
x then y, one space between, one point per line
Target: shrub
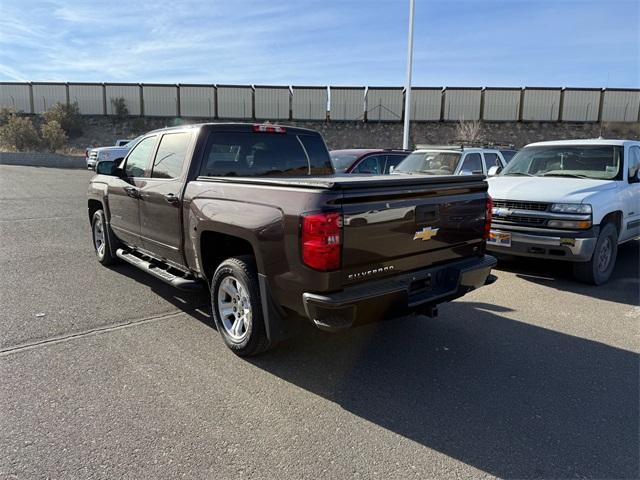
53 136
68 116
139 125
468 131
19 134
5 114
120 109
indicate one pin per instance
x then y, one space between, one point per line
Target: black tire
251 339
102 246
594 271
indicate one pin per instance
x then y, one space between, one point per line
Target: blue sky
578 43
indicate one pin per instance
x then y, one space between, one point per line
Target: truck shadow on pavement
623 287
509 398
196 304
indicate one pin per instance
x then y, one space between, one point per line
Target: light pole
407 86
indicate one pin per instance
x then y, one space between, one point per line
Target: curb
39 159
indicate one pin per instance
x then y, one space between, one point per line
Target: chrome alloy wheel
234 306
605 254
98 238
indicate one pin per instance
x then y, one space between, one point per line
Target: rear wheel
598 270
102 239
237 307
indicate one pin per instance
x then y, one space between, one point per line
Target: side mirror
391 167
634 175
493 171
108 167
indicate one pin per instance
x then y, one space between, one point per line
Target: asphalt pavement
109 373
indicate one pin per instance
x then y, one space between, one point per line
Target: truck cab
571 200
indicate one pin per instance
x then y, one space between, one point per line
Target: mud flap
274 322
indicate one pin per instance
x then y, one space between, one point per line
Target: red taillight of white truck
322 240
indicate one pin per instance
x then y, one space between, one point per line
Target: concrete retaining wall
101 131
40 159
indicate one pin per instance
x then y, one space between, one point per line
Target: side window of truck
491 160
472 163
634 161
138 159
171 155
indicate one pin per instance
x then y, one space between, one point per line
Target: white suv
451 160
573 200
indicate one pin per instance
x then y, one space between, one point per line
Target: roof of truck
232 126
585 141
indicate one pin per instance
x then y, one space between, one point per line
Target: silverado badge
427 233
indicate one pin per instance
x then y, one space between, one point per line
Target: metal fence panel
384 104
347 103
16 96
501 104
89 98
309 103
160 100
462 104
198 101
541 104
620 105
426 104
272 103
130 93
581 105
235 101
47 94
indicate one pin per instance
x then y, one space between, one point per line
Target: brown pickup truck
256 214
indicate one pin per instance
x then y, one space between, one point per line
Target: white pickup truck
573 200
99 154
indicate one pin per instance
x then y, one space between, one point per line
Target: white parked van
573 200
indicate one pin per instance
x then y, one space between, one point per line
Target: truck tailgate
403 226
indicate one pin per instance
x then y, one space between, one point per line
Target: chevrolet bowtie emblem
427 233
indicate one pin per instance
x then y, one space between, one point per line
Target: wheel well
216 247
615 218
94 206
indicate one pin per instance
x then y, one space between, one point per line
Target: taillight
322 240
261 128
487 217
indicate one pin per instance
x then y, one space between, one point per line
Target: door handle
132 192
171 198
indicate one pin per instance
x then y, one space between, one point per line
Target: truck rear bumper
568 248
417 291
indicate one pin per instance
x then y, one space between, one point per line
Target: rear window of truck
250 154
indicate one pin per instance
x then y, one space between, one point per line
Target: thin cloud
484 42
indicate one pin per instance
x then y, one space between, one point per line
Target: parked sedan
369 161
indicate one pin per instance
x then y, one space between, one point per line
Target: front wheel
102 239
237 307
598 270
